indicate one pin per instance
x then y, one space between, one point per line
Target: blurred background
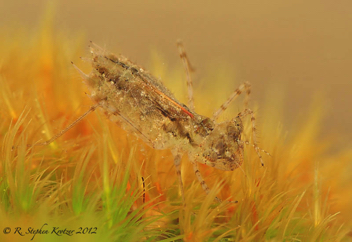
295 49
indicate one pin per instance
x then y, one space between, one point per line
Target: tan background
304 46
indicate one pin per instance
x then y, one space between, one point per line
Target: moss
97 175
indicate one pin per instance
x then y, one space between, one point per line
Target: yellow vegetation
302 194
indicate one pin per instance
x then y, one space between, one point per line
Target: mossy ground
96 174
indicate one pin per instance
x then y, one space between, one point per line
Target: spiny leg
243 87
201 180
248 94
92 108
264 151
254 129
188 69
177 163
